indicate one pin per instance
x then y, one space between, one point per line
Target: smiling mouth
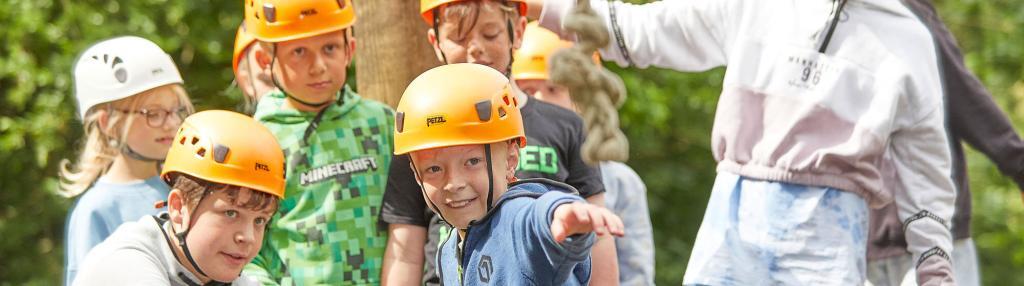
459 204
164 140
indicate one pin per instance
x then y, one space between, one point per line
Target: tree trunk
391 48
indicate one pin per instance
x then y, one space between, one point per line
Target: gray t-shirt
626 196
138 253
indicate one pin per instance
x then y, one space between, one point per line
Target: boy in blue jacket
462 128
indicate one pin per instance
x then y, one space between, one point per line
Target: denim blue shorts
770 233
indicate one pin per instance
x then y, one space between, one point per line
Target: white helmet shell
118 68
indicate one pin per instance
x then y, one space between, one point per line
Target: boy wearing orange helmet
464 154
487 32
336 143
224 190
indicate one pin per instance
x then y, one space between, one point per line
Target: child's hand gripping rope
579 217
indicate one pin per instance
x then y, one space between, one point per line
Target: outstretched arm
581 218
688 35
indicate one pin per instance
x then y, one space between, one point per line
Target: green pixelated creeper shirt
325 232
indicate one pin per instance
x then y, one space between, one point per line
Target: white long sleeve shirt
866 116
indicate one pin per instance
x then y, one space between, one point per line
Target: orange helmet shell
457 104
228 148
283 20
532 58
427 7
242 42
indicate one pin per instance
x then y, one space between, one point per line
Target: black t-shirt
554 136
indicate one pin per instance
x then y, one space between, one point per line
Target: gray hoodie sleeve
973 114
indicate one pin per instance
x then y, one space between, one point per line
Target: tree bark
391 48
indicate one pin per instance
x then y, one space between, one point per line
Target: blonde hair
100 148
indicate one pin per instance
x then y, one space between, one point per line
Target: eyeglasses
157 117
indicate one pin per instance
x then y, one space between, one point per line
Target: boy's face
312 69
254 81
547 92
455 178
480 38
223 236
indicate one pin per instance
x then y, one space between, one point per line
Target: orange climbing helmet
539 44
427 7
242 42
457 104
534 56
283 20
227 148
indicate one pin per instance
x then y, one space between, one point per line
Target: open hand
579 217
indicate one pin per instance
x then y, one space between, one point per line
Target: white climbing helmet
118 68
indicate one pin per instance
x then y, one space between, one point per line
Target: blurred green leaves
38 120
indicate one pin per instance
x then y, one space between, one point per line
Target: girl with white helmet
131 101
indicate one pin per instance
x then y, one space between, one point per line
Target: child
625 192
464 154
826 109
486 32
224 191
336 143
252 80
130 100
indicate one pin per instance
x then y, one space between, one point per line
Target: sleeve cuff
552 13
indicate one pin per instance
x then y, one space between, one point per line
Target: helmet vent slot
270 13
483 110
195 140
400 121
220 153
201 152
501 112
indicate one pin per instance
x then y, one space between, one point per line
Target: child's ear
351 44
513 159
432 38
103 120
519 28
263 58
176 209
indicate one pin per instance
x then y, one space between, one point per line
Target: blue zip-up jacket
512 244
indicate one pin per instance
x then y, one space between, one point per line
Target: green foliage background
668 119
